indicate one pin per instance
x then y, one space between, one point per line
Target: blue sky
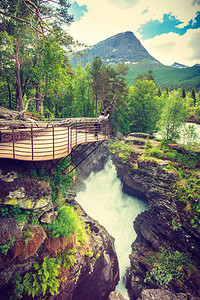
168 29
78 11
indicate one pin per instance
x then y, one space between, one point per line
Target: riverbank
168 235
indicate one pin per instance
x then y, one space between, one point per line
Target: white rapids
104 200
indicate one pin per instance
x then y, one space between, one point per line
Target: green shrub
27 236
61 179
67 222
188 158
154 151
15 211
176 225
197 113
190 136
18 287
4 248
19 214
148 144
171 155
43 279
187 191
166 266
66 258
122 150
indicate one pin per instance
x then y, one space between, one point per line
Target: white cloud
171 47
104 19
124 3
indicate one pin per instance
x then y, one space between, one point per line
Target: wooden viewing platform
51 140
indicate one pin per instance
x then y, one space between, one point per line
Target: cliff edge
166 253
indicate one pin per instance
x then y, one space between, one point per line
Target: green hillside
186 78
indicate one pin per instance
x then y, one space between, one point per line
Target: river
104 200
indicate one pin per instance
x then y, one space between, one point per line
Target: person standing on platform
98 123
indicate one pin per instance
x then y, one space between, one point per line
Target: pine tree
194 96
183 93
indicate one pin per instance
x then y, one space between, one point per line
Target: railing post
68 137
13 139
86 131
98 124
53 141
32 139
71 138
76 132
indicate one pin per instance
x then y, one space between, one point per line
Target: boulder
163 294
115 296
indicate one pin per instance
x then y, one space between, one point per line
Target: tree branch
3 68
36 12
23 21
21 113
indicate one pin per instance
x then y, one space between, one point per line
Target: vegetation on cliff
174 201
44 249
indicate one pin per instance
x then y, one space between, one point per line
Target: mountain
125 47
122 47
167 76
177 65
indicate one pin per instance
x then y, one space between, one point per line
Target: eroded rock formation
95 273
151 181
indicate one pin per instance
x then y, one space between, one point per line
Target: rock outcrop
93 162
152 181
159 294
25 241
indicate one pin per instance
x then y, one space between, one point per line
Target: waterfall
104 200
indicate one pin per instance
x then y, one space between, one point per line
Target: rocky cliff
166 233
80 265
122 47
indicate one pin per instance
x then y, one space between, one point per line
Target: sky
168 29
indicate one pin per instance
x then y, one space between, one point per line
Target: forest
36 76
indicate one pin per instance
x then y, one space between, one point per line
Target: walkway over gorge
49 140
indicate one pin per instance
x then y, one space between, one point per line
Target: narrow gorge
85 263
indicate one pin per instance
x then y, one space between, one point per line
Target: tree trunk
41 106
37 97
96 103
17 98
93 97
9 95
18 75
102 97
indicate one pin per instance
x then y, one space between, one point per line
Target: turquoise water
104 200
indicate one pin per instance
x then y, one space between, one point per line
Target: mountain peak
122 47
177 65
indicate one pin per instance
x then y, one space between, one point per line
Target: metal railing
51 140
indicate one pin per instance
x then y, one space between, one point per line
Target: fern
43 280
67 259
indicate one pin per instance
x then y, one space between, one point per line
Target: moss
28 203
41 200
11 201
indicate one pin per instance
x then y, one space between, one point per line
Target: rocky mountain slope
122 47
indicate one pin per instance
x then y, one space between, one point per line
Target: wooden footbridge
52 139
